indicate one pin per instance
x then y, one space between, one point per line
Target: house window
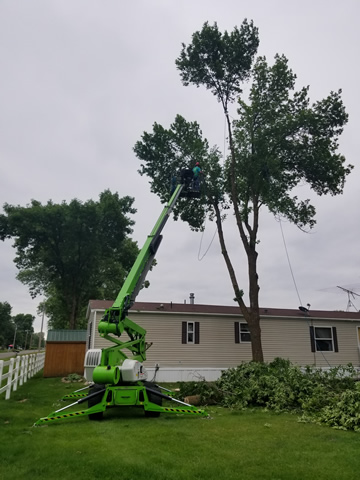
244 333
190 332
323 339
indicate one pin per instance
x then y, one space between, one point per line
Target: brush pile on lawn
330 397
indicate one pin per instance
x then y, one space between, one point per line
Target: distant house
192 341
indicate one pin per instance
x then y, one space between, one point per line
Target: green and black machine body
120 379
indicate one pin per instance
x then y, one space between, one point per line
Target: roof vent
192 299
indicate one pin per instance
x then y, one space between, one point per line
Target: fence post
37 362
26 368
34 371
1 370
10 374
17 368
32 365
41 360
33 361
22 370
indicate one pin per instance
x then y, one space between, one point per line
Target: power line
206 251
297 291
288 258
202 235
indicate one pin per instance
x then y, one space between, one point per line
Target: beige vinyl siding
217 348
289 338
347 342
286 338
281 337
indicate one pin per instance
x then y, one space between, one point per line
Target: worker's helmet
197 164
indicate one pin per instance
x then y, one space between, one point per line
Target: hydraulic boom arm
115 319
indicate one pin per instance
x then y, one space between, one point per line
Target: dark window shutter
197 332
336 346
237 334
312 339
183 332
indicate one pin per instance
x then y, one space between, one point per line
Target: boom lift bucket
191 186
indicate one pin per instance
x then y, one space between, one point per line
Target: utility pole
40 336
27 331
14 337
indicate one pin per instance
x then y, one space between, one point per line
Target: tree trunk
252 315
255 333
254 320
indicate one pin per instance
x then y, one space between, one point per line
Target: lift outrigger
120 381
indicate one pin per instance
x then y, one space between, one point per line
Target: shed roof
66 336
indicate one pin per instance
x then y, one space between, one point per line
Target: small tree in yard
278 141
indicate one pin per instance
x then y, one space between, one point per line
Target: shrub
74 377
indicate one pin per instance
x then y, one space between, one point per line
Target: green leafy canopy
281 141
165 152
221 62
71 252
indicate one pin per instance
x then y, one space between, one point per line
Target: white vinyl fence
21 368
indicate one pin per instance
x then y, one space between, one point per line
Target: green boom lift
120 381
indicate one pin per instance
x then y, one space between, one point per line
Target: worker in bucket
197 172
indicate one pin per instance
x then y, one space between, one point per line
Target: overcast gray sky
81 80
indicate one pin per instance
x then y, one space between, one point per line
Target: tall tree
71 252
277 141
24 325
7 327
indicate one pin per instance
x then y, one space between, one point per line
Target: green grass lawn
125 445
